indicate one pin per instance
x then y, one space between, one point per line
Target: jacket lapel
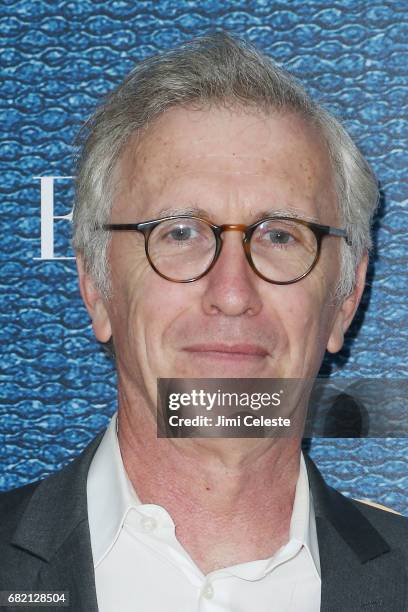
60 545
71 569
359 570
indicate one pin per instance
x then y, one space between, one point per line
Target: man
199 152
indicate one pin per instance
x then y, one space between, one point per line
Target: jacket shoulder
39 519
392 526
14 503
12 506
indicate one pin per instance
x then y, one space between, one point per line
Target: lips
218 349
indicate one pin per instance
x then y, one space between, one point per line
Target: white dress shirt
140 566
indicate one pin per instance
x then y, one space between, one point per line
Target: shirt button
208 591
148 523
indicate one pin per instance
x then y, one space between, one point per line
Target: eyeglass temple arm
334 231
124 227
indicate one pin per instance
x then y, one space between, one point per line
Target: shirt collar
303 521
111 495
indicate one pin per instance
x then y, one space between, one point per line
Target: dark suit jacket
45 544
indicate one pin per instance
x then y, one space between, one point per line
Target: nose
231 285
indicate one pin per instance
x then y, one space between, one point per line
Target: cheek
307 316
158 306
128 270
144 304
301 319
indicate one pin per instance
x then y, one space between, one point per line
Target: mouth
227 352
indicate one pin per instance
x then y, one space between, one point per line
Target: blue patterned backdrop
59 57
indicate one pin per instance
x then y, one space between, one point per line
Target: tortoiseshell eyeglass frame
146 228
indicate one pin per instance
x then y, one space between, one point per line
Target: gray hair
217 69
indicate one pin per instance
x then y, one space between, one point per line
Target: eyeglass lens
283 250
183 249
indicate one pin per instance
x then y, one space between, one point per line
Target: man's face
232 166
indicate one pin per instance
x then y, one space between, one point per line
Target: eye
182 233
178 232
278 236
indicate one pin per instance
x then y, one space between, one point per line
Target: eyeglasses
183 248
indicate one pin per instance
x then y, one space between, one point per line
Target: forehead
222 159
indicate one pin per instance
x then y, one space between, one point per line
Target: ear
94 303
347 309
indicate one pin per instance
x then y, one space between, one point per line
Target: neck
215 490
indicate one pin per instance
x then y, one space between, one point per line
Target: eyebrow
190 210
291 212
